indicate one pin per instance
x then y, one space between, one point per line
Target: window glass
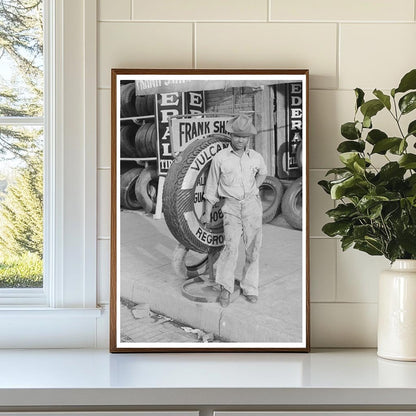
21 143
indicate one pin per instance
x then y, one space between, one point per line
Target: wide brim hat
241 126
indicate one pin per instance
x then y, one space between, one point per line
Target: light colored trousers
241 218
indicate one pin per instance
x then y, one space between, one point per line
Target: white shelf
322 379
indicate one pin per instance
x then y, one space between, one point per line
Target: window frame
70 208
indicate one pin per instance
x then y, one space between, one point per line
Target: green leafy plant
376 210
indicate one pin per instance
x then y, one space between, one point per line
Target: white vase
397 312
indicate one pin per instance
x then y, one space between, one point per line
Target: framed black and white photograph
209 210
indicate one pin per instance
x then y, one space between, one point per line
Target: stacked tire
138 189
145 140
292 204
132 105
271 193
138 138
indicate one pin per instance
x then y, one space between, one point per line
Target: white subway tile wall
355 10
104 128
114 10
323 269
200 10
104 202
270 45
345 44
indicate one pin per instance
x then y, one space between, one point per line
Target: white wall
345 44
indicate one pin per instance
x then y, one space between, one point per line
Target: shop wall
345 44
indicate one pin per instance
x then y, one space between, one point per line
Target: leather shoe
251 298
224 297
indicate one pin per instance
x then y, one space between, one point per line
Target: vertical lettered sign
168 105
295 123
194 102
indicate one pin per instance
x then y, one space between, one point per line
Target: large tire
150 104
146 189
190 269
141 107
182 196
292 204
299 155
128 100
127 140
145 105
271 193
151 141
145 140
128 181
126 165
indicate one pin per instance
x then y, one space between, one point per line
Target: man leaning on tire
235 175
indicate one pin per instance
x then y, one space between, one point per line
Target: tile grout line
307 22
269 11
344 302
338 64
131 9
336 272
194 62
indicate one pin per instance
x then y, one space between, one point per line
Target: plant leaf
375 136
367 248
398 149
325 186
349 146
393 250
369 201
342 211
407 240
359 94
411 130
361 231
371 108
338 171
383 145
408 82
408 161
391 170
348 158
346 242
349 131
408 102
336 228
375 212
385 99
351 187
367 122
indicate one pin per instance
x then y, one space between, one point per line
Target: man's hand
259 180
206 216
205 219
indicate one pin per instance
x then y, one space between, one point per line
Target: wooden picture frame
167 126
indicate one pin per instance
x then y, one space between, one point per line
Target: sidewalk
147 276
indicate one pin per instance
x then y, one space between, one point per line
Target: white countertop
96 377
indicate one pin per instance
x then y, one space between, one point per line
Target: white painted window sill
41 327
331 379
44 311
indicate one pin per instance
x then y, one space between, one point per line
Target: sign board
159 86
295 123
185 130
170 105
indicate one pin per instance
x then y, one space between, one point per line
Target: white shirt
232 176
